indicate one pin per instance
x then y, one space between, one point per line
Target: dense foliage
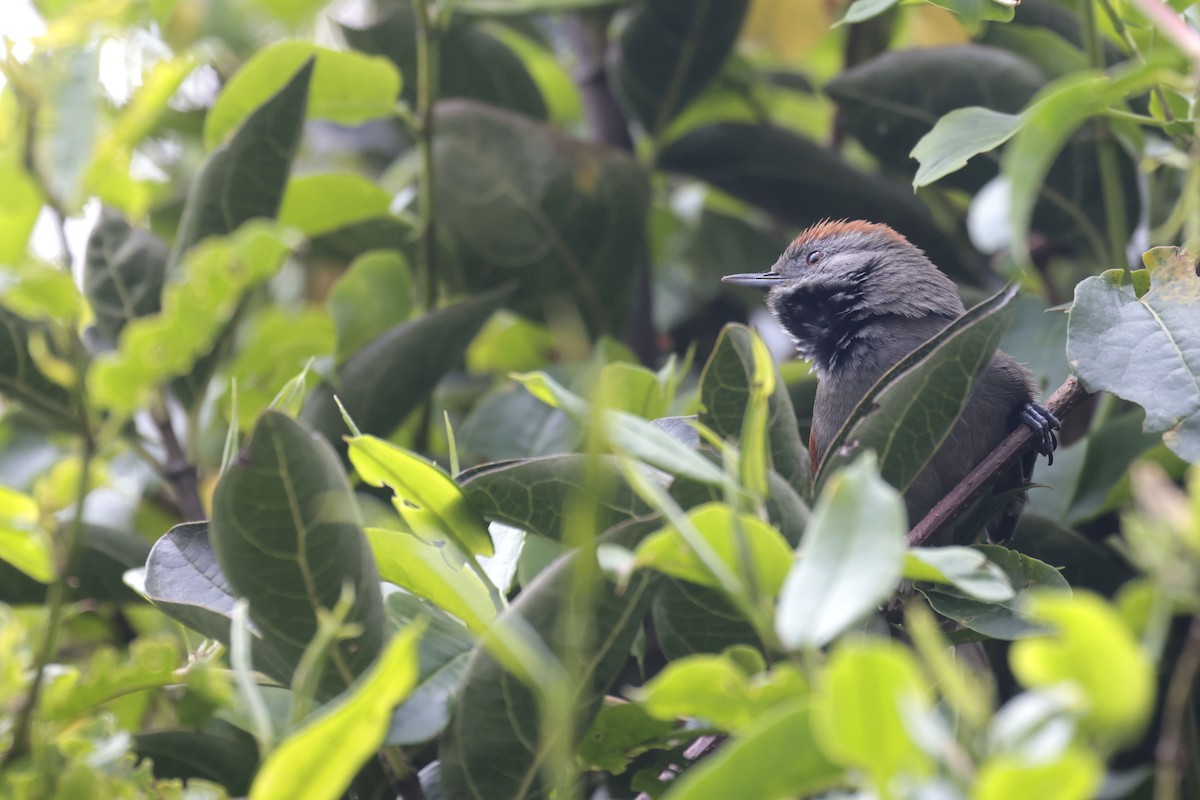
375 423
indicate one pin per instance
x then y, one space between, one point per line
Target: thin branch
1007 453
428 41
1169 753
180 473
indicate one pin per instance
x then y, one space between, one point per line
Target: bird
856 297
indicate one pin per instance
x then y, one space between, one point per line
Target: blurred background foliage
488 235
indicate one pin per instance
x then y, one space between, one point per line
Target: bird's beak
755 280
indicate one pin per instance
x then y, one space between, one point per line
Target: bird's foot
1043 424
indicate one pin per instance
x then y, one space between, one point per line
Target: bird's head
838 276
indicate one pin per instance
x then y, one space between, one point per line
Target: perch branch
969 489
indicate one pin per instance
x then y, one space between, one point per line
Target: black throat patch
825 320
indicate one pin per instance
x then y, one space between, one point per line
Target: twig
1169 752
428 41
960 498
180 473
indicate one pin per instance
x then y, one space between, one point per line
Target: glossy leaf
1155 360
1118 699
669 51
373 295
690 619
385 380
1007 619
725 392
667 550
318 761
910 411
966 569
422 486
517 200
491 747
782 737
532 494
346 88
959 136
850 559
288 535
244 178
123 273
221 753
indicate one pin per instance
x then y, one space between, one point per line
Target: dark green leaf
288 536
492 746
511 423
1145 349
1000 620
22 381
105 557
724 393
221 753
520 200
123 272
1083 563
372 296
532 494
472 62
245 177
801 183
669 51
384 381
690 619
909 412
891 101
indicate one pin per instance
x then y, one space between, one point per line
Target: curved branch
1007 453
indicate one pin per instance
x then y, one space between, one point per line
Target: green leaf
23 542
1049 121
862 10
850 560
318 204
1144 349
123 272
496 8
1075 773
667 550
972 12
891 101
68 120
633 389
871 688
445 648
288 535
957 137
221 753
22 381
374 294
275 348
196 307
1007 619
474 61
40 291
532 493
669 51
105 556
801 182
383 382
346 88
725 393
622 731
149 663
20 204
719 690
244 178
422 486
1093 648
318 761
690 619
493 745
909 412
966 569
783 738
627 433
425 570
510 343
518 200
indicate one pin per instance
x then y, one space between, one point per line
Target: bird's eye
815 257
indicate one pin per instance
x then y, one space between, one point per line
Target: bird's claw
1043 424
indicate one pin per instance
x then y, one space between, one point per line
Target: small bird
856 298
